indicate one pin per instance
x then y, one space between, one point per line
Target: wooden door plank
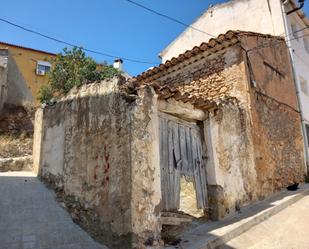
183 149
177 163
164 163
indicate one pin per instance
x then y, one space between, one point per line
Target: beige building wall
23 81
262 16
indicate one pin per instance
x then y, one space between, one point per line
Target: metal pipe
297 84
301 5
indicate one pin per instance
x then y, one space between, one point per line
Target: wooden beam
185 110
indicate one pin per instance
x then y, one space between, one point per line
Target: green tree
73 68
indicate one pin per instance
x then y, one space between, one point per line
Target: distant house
23 71
275 17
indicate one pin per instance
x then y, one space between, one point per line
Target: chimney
118 64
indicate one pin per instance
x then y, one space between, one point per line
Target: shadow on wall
18 91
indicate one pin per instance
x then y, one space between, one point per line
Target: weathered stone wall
86 151
252 133
146 180
96 146
276 122
212 78
221 78
230 165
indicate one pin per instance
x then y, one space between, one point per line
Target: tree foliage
73 68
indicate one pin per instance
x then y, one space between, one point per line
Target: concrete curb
254 221
226 230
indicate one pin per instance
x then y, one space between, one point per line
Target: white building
275 17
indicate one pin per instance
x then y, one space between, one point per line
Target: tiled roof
22 47
212 46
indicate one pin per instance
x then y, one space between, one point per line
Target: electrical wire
169 17
130 59
277 43
74 45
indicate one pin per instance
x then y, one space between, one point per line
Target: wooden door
181 154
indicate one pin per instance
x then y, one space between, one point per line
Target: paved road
289 229
30 217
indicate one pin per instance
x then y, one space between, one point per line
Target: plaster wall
18 92
231 172
145 176
99 146
38 140
263 16
301 58
86 151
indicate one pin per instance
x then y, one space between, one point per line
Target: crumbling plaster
239 124
222 79
92 144
276 121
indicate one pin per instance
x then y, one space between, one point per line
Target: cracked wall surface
95 148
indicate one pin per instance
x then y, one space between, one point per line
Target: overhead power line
168 17
279 42
74 45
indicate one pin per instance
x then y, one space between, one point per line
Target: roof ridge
204 46
27 48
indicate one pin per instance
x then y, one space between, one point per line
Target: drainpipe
296 82
301 5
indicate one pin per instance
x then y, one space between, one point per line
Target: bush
72 68
45 94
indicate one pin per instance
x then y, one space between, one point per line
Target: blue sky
112 26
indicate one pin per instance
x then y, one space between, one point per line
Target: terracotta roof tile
213 45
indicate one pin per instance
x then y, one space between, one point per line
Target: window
294 31
304 86
43 67
306 43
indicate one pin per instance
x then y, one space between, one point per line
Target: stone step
174 219
24 163
214 234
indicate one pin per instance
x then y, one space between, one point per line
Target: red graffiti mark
106 166
95 172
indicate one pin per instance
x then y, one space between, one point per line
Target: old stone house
212 130
284 18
